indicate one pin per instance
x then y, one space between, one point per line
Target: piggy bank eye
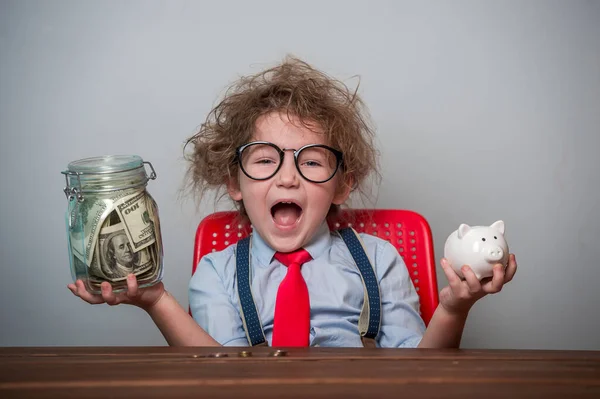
483 239
495 238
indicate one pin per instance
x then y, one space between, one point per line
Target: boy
290 144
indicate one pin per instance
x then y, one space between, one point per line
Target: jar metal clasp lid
77 192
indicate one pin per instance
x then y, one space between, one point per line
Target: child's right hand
144 298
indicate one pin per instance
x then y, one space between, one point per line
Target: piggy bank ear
463 229
498 225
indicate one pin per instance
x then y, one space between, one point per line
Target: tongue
286 214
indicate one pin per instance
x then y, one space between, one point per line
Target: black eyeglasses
261 160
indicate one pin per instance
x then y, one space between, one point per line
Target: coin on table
245 354
220 354
278 353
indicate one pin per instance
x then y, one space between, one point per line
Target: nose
288 174
494 254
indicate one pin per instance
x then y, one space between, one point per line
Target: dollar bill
137 223
86 219
154 218
115 223
115 258
156 248
149 276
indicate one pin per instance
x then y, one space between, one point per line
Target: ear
343 191
233 188
498 225
463 229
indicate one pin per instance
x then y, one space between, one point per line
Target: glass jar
112 222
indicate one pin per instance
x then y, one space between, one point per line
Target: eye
483 239
264 161
495 238
311 163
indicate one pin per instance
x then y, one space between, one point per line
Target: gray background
485 110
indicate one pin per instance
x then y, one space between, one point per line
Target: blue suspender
370 317
250 318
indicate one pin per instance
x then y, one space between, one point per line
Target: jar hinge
153 174
73 192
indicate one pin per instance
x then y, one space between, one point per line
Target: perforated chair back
408 231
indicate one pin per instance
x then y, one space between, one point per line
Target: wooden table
163 372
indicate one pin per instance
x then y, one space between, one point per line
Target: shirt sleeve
212 298
401 324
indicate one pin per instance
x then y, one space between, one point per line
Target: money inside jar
113 228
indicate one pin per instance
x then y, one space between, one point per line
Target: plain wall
484 110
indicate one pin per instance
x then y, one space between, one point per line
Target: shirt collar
315 247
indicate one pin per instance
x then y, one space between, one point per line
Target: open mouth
286 213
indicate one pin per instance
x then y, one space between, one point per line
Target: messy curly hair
300 91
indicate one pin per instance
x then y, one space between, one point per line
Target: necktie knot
299 256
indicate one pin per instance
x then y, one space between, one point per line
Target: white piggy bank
480 247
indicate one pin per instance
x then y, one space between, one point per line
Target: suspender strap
370 316
250 319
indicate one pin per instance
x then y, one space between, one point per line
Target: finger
453 279
81 292
511 269
132 286
495 285
472 282
108 294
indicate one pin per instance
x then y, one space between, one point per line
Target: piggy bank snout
494 254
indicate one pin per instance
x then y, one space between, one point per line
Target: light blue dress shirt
334 286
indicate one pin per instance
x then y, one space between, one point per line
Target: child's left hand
460 295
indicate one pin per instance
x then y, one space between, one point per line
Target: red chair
408 231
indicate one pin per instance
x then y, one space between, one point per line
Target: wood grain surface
165 372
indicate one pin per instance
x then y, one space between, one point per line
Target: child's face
287 227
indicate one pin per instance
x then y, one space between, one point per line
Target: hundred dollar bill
154 218
143 266
115 257
137 224
86 219
95 273
155 249
96 277
150 274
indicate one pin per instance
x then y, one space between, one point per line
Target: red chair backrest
408 231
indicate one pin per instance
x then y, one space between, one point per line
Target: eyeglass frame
339 156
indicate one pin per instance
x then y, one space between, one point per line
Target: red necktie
291 325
